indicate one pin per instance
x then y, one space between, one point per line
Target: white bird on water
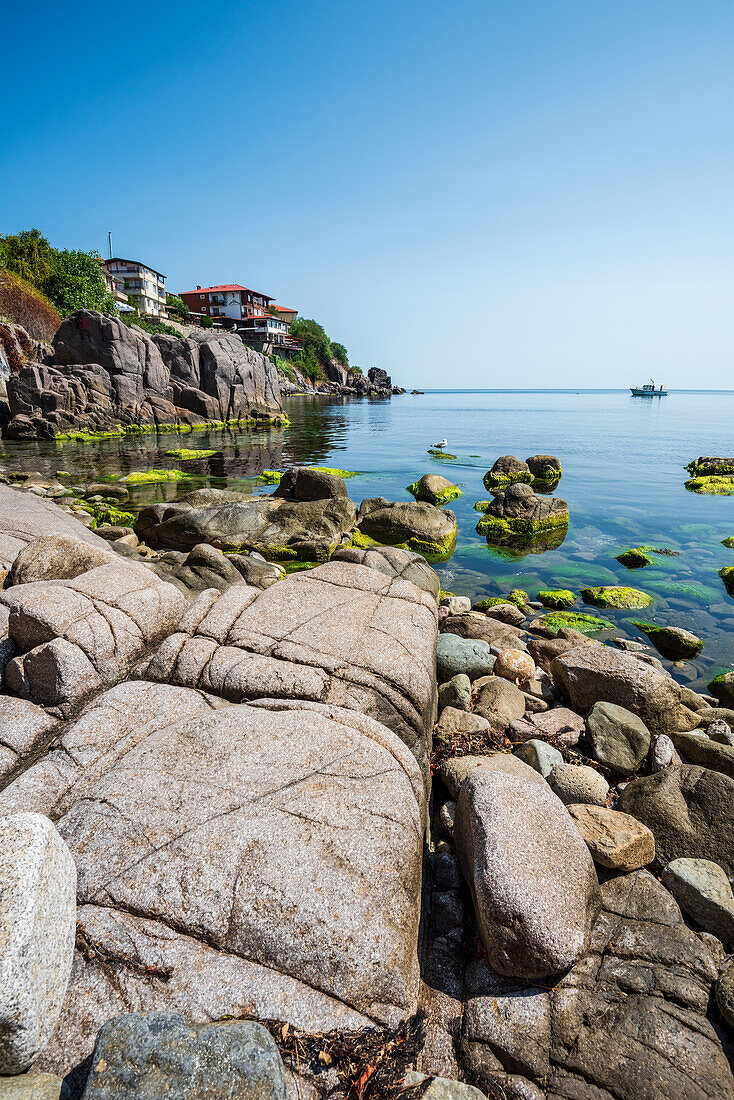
441 443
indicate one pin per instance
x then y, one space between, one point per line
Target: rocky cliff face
104 375
342 380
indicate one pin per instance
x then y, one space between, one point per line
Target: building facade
145 288
228 300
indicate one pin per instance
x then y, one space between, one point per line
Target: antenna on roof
109 243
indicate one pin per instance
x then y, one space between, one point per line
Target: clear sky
492 194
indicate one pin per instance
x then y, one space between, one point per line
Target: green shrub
177 305
206 322
155 328
77 282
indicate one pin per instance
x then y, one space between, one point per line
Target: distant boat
650 390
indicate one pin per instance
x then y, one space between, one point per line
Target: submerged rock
517 515
719 486
434 489
722 687
558 599
707 466
672 642
560 621
616 596
727 576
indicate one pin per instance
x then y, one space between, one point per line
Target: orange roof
224 286
283 309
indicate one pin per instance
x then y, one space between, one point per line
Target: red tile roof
284 309
225 286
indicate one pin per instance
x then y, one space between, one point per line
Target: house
144 286
115 284
227 300
288 315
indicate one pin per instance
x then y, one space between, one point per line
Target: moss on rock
727 576
634 559
720 486
557 621
671 641
558 599
711 467
509 528
186 453
616 596
145 477
434 489
728 542
431 549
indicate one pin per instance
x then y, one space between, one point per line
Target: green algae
517 596
720 486
634 559
106 514
498 482
558 599
451 492
728 542
668 641
270 477
727 576
118 431
502 529
146 477
185 454
701 467
557 621
699 593
333 471
299 566
616 596
442 455
431 549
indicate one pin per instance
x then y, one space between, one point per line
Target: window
202 296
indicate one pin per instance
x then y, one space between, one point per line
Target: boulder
25 518
37 928
725 995
78 636
558 722
546 469
33 1086
453 720
615 840
473 624
627 1022
206 567
296 527
25 729
507 470
412 526
499 701
616 596
340 634
106 374
456 655
702 890
697 748
587 674
514 665
531 876
434 489
722 687
453 771
541 757
517 516
506 613
689 810
578 783
619 739
673 642
393 563
456 693
721 732
58 557
223 852
156 1054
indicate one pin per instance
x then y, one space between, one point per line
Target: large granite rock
56 558
78 636
340 634
266 856
627 1022
160 1054
304 519
106 374
588 674
412 525
24 728
529 871
37 926
393 562
24 518
689 810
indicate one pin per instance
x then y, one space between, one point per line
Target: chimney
198 287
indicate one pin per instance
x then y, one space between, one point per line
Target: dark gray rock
690 811
151 1055
723 688
697 748
455 655
619 739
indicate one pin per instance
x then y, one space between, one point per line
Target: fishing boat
650 390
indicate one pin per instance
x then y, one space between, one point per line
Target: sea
624 476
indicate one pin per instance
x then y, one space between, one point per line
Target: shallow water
623 464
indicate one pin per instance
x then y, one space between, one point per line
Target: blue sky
470 194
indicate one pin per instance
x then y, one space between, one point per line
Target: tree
76 282
339 352
173 302
308 364
29 255
313 337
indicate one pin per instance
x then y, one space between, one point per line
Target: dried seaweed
455 743
370 1064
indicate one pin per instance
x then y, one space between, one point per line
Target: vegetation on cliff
68 279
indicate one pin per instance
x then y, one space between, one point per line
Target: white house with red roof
227 300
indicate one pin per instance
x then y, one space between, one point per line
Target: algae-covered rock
727 576
145 477
711 467
558 599
434 489
184 454
517 516
721 486
545 469
728 542
672 642
575 620
411 525
634 559
616 596
722 687
507 471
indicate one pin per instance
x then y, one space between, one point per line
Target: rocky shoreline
271 834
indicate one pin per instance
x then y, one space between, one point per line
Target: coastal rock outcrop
434 489
518 515
24 518
107 376
411 525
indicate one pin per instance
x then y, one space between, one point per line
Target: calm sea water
623 464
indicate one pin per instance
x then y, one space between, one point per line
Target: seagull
441 443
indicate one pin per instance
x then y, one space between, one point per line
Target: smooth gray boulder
25 518
589 674
619 739
456 692
690 811
340 633
78 636
499 701
462 656
159 1054
541 757
58 557
223 852
578 783
37 928
529 871
393 562
627 1022
702 890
